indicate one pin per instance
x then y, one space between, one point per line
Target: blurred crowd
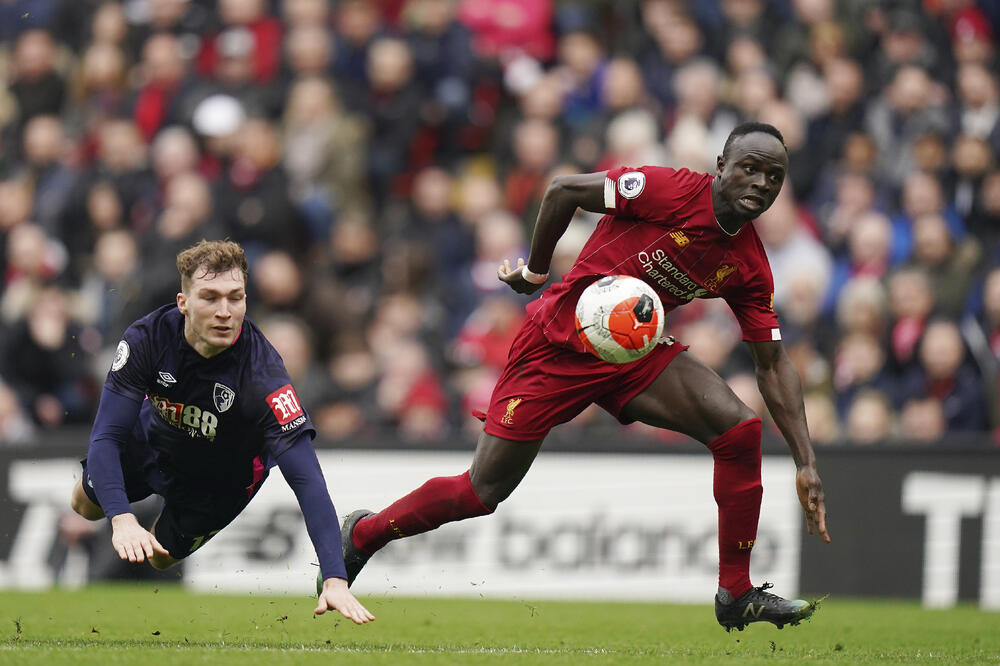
378 159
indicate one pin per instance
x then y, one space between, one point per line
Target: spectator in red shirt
503 28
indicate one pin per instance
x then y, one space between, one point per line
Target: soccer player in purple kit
196 408
687 235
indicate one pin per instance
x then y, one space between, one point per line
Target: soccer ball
619 318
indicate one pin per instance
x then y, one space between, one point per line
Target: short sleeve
130 367
757 320
650 193
753 305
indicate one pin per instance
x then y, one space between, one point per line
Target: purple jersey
206 419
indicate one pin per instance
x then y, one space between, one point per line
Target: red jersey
663 230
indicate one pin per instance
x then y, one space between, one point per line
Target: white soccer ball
619 318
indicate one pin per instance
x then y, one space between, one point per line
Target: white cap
521 74
218 115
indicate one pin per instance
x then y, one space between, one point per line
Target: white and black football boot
756 605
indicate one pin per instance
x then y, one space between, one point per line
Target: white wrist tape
533 278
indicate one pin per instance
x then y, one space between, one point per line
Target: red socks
738 492
736 485
441 500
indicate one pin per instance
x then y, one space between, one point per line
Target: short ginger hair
210 258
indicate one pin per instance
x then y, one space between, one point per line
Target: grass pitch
148 624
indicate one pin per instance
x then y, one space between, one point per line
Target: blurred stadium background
378 159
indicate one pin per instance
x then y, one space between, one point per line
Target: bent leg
691 398
160 561
497 467
185 524
83 505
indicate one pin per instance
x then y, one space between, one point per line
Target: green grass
148 625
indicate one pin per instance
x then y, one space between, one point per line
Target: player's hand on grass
514 277
810 490
336 596
132 541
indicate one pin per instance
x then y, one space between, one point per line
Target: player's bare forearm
783 396
779 384
562 197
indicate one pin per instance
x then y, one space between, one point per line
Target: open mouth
751 202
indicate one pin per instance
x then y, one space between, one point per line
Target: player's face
213 306
751 176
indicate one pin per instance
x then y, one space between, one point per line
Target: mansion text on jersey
670 278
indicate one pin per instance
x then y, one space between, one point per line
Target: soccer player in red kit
687 235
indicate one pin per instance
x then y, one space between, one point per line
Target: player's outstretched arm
300 467
562 197
116 416
336 596
779 384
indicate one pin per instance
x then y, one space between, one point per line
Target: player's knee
489 500
491 495
747 433
82 505
90 512
737 417
162 562
745 413
739 443
487 494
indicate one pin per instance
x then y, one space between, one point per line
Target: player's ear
182 303
720 164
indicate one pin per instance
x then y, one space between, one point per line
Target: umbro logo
165 379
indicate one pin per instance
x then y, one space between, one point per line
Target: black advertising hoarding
909 522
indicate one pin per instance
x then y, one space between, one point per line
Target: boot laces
761 594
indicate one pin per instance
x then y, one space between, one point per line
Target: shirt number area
206 422
191 418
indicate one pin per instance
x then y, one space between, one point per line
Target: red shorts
544 385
